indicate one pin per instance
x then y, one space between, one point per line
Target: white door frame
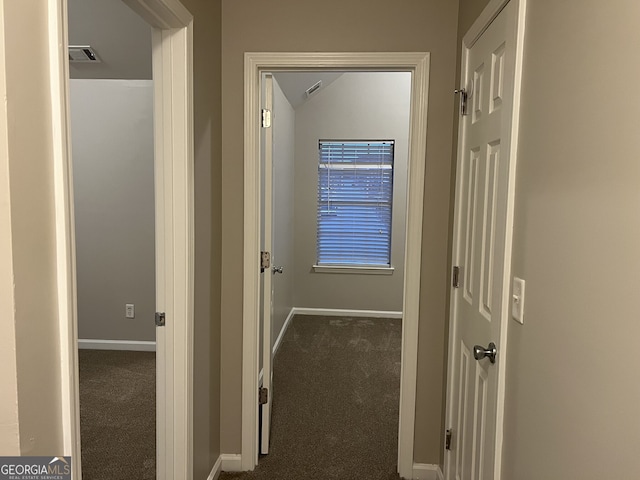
255 64
174 192
487 16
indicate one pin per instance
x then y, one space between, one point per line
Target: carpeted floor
336 400
118 415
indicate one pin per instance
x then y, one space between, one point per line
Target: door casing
490 12
172 44
255 64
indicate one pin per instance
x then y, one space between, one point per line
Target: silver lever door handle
490 352
277 269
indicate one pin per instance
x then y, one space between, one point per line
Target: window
355 192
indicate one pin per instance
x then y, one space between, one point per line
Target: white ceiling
294 84
120 38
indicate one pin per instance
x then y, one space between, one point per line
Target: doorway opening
111 107
256 65
334 197
173 184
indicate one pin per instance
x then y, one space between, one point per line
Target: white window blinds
355 192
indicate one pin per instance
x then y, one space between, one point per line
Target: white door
484 212
266 276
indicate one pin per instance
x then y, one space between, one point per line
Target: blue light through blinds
355 192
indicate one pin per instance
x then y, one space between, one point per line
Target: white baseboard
215 471
425 471
131 345
231 462
338 312
278 341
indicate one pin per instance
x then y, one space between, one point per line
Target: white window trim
361 270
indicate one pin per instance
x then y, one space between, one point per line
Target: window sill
353 270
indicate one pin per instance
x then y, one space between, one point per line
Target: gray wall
363 25
123 55
112 141
369 106
283 202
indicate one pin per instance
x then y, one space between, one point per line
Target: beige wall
283 202
9 421
573 390
357 106
32 228
207 142
112 149
356 25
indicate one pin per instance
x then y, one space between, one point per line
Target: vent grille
313 89
82 54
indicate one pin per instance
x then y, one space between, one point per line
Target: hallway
336 393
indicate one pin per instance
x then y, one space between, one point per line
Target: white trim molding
65 230
341 312
254 66
425 471
353 270
173 120
125 345
285 327
216 470
231 462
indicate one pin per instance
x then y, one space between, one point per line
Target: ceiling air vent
313 89
82 54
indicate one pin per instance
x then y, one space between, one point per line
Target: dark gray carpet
336 402
118 415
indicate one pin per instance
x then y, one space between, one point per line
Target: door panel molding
173 165
498 313
255 64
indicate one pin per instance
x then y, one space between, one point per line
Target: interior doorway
256 65
173 164
334 204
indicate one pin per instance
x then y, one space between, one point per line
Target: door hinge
463 100
266 118
160 319
456 277
263 396
265 261
447 439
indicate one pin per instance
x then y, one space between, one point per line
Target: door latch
263 396
160 319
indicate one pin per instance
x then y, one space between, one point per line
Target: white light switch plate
517 300
130 310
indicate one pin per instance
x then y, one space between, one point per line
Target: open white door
482 248
266 392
